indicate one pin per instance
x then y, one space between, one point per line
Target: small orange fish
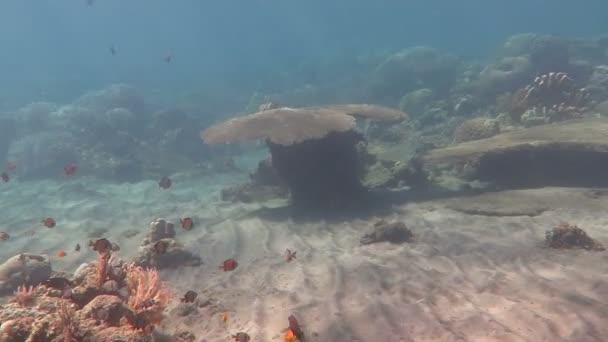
61 254
224 317
4 236
229 265
187 223
295 328
289 255
290 336
49 222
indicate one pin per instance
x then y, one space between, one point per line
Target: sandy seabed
477 270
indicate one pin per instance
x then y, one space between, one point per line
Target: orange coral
147 299
144 285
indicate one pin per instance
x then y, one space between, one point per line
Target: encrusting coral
475 129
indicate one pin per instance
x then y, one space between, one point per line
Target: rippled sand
476 272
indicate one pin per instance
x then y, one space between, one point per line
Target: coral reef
108 132
545 52
546 155
413 68
314 150
166 253
566 236
105 301
160 250
507 74
24 269
549 98
475 129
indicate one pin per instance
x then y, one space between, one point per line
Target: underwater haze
57 50
290 170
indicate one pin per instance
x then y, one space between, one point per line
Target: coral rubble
566 236
395 232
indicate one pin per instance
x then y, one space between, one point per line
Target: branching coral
148 297
69 329
145 286
549 98
24 295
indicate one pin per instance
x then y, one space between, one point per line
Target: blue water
57 50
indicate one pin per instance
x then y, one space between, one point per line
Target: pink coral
24 295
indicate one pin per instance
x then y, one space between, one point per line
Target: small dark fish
160 247
58 283
70 169
164 183
49 222
168 57
295 327
289 255
4 236
241 337
148 303
101 245
229 265
112 50
187 223
5 177
77 248
90 2
189 297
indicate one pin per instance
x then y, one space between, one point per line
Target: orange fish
187 223
290 336
229 265
295 328
5 177
224 317
61 254
4 236
49 222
